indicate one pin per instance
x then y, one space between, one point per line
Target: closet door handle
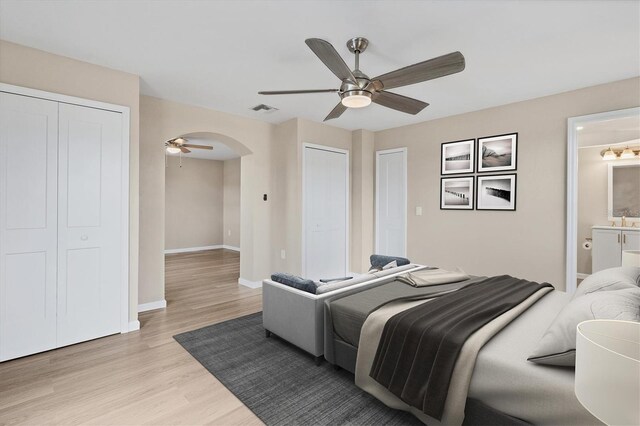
618 238
624 238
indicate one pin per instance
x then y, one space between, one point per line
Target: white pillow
609 279
558 344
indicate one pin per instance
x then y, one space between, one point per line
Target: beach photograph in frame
497 153
456 193
457 157
496 192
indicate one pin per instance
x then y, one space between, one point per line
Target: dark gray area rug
280 383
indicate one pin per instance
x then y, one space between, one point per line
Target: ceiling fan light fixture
173 150
356 99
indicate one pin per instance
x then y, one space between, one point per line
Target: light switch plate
283 254
418 211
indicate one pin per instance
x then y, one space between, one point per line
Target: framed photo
497 192
497 153
456 193
457 157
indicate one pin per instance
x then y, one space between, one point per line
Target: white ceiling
609 132
220 151
219 54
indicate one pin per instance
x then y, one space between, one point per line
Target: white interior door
326 209
391 202
89 223
28 224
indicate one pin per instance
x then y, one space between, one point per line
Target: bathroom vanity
608 244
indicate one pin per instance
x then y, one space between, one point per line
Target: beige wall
287 148
231 203
529 242
161 120
194 203
36 69
362 200
592 200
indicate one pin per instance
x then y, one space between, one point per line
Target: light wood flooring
143 377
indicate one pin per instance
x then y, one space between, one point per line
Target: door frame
347 202
573 123
406 194
125 325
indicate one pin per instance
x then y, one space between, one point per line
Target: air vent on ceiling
263 107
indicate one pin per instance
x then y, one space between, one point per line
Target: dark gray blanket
348 313
419 347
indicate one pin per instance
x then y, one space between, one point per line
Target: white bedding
505 380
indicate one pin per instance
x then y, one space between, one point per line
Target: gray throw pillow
378 261
609 279
294 281
558 344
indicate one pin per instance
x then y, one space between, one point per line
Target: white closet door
391 202
28 225
325 212
89 223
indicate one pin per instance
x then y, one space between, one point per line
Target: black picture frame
444 205
472 149
497 140
494 204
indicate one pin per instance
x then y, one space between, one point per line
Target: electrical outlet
283 254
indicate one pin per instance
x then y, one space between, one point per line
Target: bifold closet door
325 212
28 225
89 223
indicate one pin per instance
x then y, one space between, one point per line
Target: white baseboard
582 276
134 325
250 284
191 249
158 304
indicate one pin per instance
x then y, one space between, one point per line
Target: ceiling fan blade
330 57
296 92
423 71
399 102
184 150
336 112
189 145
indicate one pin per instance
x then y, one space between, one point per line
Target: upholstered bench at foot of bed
298 316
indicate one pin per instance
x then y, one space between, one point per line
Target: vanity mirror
624 190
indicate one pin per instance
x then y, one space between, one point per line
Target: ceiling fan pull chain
180 159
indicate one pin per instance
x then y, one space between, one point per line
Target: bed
502 382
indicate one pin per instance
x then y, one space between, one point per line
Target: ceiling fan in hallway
177 145
358 90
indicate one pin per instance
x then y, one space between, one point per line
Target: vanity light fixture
627 153
622 154
608 154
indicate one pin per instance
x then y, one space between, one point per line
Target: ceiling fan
358 90
177 145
